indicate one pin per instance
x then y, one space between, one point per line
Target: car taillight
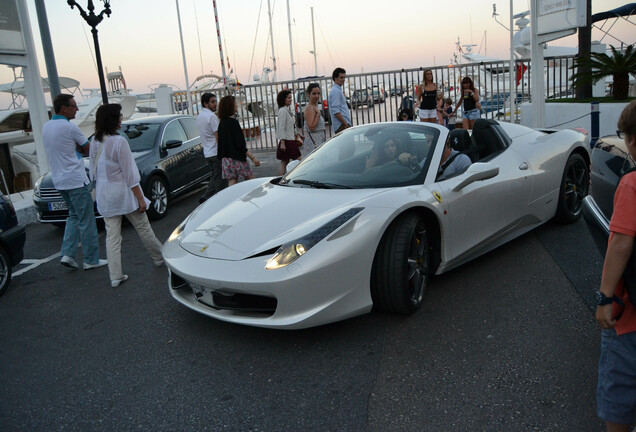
7 200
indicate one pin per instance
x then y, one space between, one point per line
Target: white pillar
536 71
33 86
512 76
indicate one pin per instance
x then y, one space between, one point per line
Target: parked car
610 160
396 91
379 95
362 97
169 155
498 101
335 237
12 238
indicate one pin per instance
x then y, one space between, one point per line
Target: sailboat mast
218 34
291 49
271 37
313 33
185 66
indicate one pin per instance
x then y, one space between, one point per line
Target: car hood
257 217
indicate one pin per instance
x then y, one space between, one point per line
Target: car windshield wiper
320 185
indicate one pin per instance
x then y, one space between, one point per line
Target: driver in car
387 152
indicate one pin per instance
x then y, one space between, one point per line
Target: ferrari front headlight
177 231
290 252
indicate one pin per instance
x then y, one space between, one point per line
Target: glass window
173 131
140 136
190 126
371 156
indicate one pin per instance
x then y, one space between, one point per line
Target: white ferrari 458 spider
366 219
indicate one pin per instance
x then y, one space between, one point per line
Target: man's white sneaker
158 263
100 263
68 262
117 282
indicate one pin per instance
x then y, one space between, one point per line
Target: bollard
594 119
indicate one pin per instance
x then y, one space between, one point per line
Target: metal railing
258 108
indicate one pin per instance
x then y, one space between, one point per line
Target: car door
199 165
482 213
176 161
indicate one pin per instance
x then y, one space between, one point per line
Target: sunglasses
620 133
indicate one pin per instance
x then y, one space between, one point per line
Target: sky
142 37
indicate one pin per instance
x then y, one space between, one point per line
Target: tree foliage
619 66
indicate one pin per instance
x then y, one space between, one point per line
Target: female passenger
116 176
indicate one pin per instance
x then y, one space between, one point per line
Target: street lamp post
93 20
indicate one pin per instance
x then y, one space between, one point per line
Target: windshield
371 156
140 136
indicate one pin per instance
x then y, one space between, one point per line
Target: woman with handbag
118 192
287 139
232 146
314 128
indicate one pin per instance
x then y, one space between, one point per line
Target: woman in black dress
232 146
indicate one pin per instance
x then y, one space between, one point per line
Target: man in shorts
616 390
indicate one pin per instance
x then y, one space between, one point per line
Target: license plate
197 289
59 205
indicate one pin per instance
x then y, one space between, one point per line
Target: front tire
5 271
574 187
157 192
401 268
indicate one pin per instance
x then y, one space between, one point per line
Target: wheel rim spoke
417 269
159 197
574 187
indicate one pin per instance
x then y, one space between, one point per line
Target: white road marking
34 263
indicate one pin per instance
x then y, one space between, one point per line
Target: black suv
610 160
169 155
12 238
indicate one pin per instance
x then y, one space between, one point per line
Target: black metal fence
378 96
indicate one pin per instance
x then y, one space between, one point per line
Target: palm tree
620 65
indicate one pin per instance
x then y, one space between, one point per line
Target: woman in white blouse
287 145
116 176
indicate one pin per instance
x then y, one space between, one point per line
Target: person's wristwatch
602 299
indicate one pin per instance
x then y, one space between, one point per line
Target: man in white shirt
208 124
65 144
338 109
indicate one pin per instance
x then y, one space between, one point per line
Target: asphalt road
507 342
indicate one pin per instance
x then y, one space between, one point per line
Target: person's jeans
141 224
80 224
217 182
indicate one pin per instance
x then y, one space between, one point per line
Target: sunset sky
142 36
